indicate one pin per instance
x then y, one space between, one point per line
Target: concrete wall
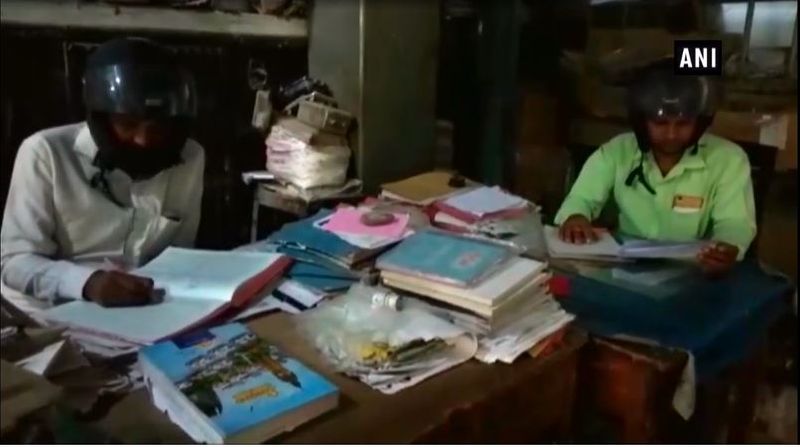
380 59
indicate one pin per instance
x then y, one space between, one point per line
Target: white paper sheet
485 200
511 342
463 349
605 246
268 304
198 283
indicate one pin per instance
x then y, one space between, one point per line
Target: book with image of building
225 385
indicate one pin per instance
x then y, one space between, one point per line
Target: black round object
138 77
377 219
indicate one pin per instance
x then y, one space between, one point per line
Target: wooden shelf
98 16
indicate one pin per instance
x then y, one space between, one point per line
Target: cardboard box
772 129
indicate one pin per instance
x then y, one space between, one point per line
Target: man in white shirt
88 201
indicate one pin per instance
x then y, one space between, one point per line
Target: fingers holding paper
577 229
717 258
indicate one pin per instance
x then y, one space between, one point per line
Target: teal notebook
227 385
445 257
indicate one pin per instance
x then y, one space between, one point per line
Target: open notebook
607 248
199 285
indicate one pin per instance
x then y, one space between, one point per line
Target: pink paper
348 220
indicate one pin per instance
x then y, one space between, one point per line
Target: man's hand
118 289
577 229
717 258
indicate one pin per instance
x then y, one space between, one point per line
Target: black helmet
139 78
658 92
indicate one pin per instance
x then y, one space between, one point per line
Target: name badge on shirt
686 204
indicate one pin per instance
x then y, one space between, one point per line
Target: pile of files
198 286
309 149
607 247
480 204
366 334
41 365
494 214
482 287
425 189
305 240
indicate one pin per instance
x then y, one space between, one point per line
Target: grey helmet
658 92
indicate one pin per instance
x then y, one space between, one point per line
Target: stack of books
478 285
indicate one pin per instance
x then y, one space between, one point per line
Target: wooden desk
528 401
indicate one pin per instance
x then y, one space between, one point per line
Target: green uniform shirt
707 195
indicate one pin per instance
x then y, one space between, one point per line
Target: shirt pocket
99 227
686 215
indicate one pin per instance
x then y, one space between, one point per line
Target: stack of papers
199 287
507 344
521 279
607 248
524 233
483 203
511 309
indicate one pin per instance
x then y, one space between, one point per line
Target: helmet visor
144 91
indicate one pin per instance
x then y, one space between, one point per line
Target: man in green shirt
670 179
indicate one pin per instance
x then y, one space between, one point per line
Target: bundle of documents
535 325
495 299
524 232
607 248
483 203
305 241
510 307
199 286
225 385
424 189
386 346
445 258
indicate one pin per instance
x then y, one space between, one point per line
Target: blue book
445 257
302 236
225 385
320 277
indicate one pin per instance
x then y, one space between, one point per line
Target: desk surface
516 402
717 320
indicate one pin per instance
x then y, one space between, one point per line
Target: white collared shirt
58 230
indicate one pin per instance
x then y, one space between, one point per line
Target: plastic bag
367 329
